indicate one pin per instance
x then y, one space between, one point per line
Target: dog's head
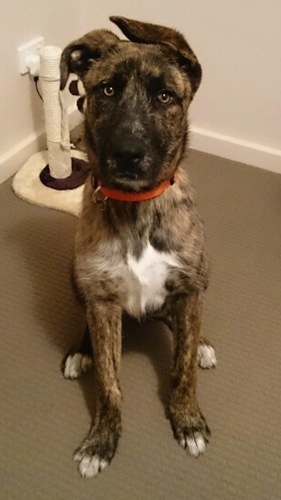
137 96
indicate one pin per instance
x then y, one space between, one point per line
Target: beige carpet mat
43 418
28 186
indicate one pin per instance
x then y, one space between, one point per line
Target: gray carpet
43 417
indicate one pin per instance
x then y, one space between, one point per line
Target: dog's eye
165 97
108 90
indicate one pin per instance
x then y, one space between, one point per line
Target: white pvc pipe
56 120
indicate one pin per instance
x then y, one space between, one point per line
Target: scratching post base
28 185
79 173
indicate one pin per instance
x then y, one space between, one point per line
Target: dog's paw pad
196 444
206 356
76 365
89 466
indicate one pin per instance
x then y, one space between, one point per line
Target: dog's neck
119 195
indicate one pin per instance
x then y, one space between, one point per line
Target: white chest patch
146 280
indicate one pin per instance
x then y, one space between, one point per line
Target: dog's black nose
127 150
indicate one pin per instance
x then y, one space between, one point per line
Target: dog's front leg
188 423
98 449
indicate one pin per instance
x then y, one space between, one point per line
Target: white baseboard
250 153
200 139
15 158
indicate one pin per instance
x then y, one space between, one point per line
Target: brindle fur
156 59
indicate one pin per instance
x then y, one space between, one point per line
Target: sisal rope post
56 119
53 178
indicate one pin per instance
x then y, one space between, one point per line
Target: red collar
115 194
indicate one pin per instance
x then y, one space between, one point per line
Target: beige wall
237 112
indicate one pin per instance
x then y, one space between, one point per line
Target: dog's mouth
129 180
128 175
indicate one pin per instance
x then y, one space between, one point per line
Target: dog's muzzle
128 152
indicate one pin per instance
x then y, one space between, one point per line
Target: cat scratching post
56 120
53 177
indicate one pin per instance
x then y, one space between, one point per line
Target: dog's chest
145 280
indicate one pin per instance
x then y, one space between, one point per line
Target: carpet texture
43 418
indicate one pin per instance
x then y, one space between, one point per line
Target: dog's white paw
76 365
89 466
196 444
206 356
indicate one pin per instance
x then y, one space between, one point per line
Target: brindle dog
140 244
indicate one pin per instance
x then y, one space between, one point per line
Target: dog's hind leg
188 423
79 360
98 449
206 356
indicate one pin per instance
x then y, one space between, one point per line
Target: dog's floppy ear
151 33
78 56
